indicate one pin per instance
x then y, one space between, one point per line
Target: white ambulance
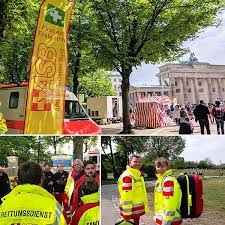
13 104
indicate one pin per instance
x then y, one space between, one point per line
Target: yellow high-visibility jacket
167 200
133 196
3 126
89 213
30 204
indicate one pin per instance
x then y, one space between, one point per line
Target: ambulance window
73 110
14 100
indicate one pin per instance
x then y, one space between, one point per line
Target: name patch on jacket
25 213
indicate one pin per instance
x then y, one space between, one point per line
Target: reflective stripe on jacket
89 213
30 204
133 196
167 200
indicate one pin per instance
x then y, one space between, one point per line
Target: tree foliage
96 84
127 33
26 148
19 20
150 147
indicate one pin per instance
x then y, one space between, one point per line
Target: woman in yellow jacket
167 195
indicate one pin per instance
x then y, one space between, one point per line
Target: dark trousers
220 125
136 221
204 123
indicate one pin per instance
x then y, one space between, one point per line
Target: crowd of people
38 196
203 113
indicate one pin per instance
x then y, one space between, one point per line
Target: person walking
89 212
201 113
176 114
29 203
219 116
4 181
167 195
133 197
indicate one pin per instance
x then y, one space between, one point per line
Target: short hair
88 162
79 161
59 164
30 173
201 101
162 161
89 186
47 164
217 103
131 156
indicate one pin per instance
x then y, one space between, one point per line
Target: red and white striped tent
150 111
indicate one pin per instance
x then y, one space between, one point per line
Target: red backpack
192 200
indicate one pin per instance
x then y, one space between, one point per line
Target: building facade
189 83
117 82
139 92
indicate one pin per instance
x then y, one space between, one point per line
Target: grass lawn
214 194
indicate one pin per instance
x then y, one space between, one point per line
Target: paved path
116 128
109 205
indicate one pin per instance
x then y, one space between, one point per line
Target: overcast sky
208 47
205 146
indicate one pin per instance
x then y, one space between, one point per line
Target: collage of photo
112 112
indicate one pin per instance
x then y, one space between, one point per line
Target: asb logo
55 15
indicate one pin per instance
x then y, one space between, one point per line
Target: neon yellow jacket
3 127
89 213
30 204
133 196
167 200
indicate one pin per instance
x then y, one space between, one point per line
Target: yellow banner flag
48 73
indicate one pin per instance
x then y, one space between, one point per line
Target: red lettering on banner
45 69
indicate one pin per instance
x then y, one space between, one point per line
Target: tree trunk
54 141
78 147
127 128
76 73
112 158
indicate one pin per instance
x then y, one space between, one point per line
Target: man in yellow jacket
133 196
167 195
89 212
29 203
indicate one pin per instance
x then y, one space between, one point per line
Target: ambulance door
13 108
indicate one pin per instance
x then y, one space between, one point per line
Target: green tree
169 146
96 84
127 33
18 20
26 148
106 142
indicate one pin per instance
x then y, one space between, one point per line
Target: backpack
192 201
219 113
183 113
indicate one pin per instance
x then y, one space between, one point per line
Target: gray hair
131 156
78 161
